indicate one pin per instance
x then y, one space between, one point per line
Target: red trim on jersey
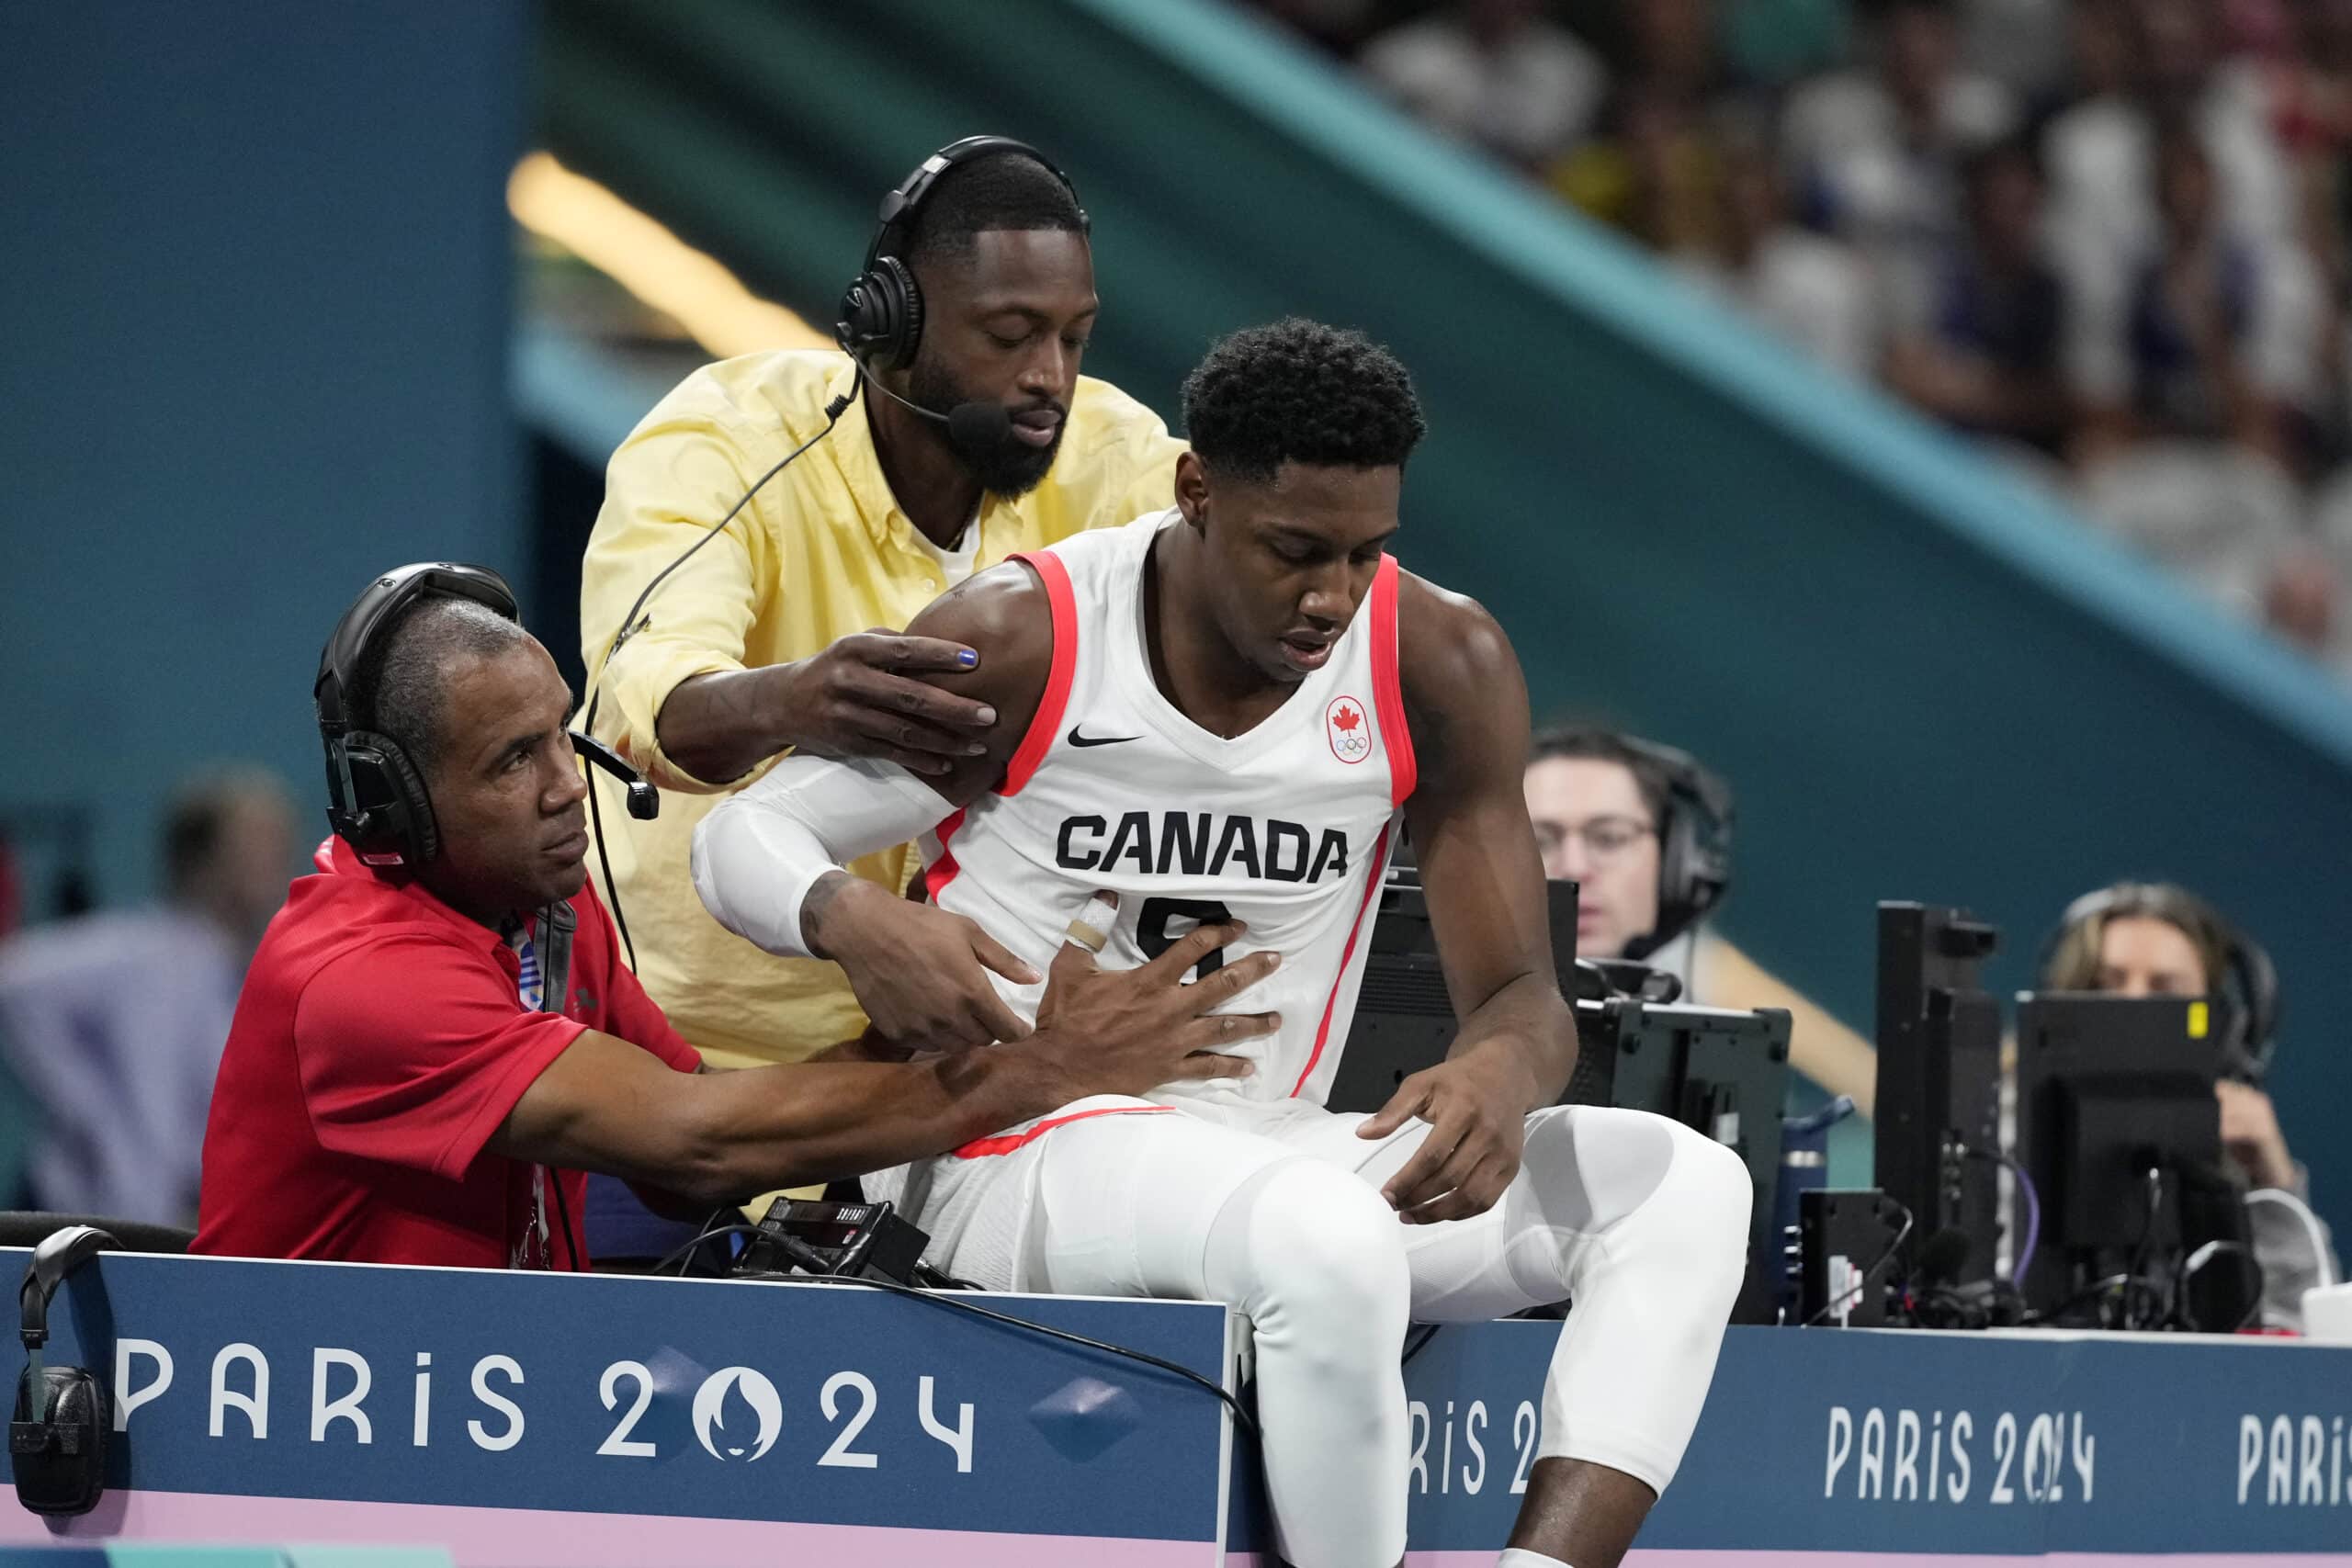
1047 722
1043 723
941 872
1004 1144
1371 891
1388 691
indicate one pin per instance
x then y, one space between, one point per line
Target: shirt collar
342 861
858 462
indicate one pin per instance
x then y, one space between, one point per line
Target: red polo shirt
378 1043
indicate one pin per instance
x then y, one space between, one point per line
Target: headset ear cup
905 298
2256 1004
1674 901
859 326
389 791
61 1468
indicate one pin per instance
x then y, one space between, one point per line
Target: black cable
1414 1346
2196 1263
710 1227
629 628
2092 1291
1883 1259
2136 1268
685 1255
563 1212
1247 1421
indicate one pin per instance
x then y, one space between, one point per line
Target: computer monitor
1938 1123
1404 1019
1715 1070
2119 1130
1724 1073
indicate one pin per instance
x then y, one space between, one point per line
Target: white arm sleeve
757 856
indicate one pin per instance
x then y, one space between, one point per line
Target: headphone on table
1694 843
2246 989
881 319
376 801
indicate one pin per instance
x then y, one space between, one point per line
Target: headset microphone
644 800
975 430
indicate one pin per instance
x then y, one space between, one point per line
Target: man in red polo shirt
398 1088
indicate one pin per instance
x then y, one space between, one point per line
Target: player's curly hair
1299 392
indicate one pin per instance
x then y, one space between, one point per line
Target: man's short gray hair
402 684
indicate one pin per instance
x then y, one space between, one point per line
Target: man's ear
1192 487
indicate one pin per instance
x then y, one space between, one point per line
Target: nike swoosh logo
1078 740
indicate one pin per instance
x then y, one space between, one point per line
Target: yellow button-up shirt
823 551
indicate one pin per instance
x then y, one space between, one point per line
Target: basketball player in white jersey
1225 715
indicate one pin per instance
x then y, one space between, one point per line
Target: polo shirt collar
343 862
860 467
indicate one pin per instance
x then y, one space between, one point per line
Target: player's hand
920 973
865 696
1476 1106
1130 1031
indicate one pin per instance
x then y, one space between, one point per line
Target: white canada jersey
1288 827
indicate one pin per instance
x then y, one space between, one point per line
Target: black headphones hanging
2246 989
881 314
1694 843
57 1432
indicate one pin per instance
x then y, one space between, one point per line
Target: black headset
376 801
880 319
376 798
2246 990
57 1432
1694 843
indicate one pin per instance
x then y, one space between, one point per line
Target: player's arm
768 862
605 1105
1466 704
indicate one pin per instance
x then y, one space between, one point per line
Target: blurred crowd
2109 239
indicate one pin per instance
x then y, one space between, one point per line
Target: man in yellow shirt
976 302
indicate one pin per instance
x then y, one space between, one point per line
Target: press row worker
979 296
1645 831
418 1073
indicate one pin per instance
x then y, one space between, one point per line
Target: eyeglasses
1606 839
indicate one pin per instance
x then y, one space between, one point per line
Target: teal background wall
255 311
1925 682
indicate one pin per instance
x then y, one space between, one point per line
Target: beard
1011 467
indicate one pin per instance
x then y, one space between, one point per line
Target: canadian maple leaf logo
1349 729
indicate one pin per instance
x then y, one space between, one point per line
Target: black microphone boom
975 430
644 800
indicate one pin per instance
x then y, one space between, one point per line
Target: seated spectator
1879 153
1497 73
2156 940
1808 290
1656 169
2215 337
1986 357
2101 154
1604 804
113 1022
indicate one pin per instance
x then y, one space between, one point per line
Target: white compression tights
1639 1220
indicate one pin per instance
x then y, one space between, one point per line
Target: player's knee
1331 1257
1705 1200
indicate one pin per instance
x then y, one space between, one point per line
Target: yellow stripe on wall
641 255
